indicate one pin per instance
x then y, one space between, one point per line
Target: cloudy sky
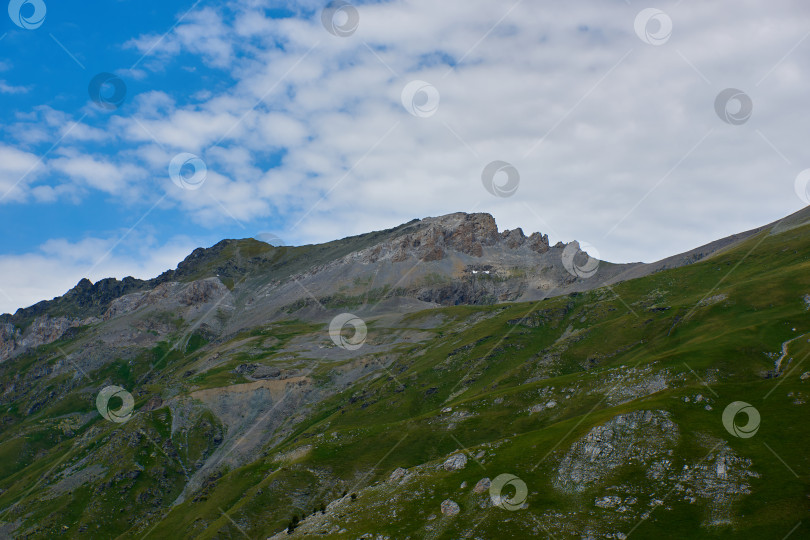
133 132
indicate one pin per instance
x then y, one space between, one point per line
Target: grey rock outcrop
482 486
398 473
41 331
608 501
459 234
9 336
450 508
266 372
455 462
637 437
720 480
169 295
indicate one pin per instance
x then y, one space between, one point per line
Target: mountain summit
453 259
423 263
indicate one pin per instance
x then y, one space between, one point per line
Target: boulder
455 462
398 473
153 403
608 502
482 486
266 372
450 508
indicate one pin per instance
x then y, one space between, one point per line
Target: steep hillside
527 401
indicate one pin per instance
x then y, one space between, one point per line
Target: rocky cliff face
182 299
448 260
182 294
86 299
435 238
41 331
9 336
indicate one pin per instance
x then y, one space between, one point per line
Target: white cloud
17 170
96 172
203 32
45 124
58 265
6 88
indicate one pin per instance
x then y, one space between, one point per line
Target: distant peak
458 219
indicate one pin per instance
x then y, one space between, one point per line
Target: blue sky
312 133
52 67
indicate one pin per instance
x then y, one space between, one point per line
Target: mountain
440 379
449 260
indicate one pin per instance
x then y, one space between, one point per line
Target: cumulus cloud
200 32
99 173
17 170
6 88
58 265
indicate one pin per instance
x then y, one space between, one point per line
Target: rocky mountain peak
480 221
432 238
